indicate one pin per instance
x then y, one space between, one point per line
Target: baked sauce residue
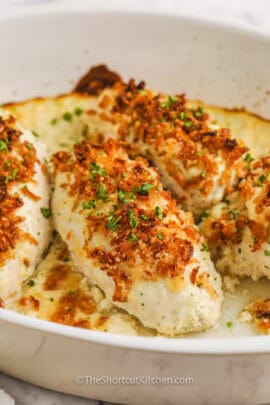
260 311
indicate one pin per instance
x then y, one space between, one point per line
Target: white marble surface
250 13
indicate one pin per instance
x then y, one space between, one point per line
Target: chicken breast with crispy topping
198 161
24 205
238 230
127 236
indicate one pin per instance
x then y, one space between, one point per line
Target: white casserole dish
41 53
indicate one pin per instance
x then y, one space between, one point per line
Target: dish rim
185 345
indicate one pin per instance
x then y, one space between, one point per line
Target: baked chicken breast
127 236
198 161
24 205
238 230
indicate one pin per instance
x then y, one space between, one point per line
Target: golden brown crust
175 132
161 239
254 189
13 169
98 78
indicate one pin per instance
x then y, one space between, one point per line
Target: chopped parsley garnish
29 146
205 247
229 324
67 116
35 134
233 214
54 121
144 217
7 164
3 146
201 216
125 196
96 170
169 102
133 238
144 188
102 192
203 174
78 111
187 124
261 180
158 212
46 212
11 176
199 285
199 112
113 221
31 283
266 253
134 222
89 204
248 158
160 236
186 120
199 153
183 116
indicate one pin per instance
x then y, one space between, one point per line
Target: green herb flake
261 180
54 121
229 324
46 212
35 134
233 214
11 176
7 164
78 111
96 170
125 196
187 124
199 112
144 217
134 222
200 217
144 188
133 238
266 253
102 192
204 247
158 212
248 158
203 174
89 204
67 116
113 221
171 100
199 153
160 236
3 146
31 283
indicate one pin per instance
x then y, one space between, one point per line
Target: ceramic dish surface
45 53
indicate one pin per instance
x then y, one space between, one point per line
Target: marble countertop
250 13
